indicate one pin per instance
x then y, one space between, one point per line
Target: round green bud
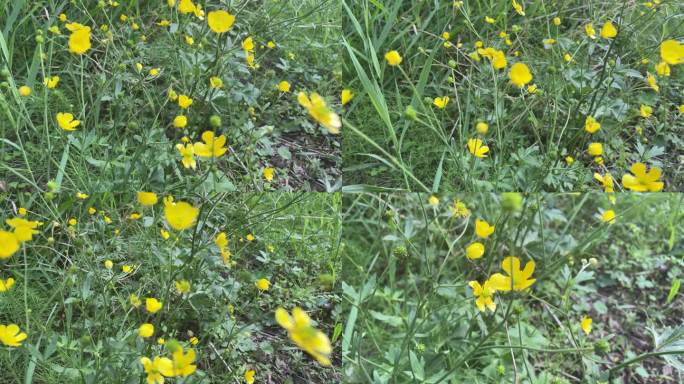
215 121
601 347
452 63
511 201
411 113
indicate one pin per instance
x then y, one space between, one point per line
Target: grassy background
529 135
411 316
126 137
82 328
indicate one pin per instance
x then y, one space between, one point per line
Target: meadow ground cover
484 288
514 95
133 288
100 95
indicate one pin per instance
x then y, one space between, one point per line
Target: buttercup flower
262 284
652 82
152 305
484 294
182 286
8 244
320 112
441 102
184 101
147 199
585 324
157 369
79 40
179 215
188 155
608 216
51 82
23 229
346 96
482 127
304 335
517 279
284 86
215 82
672 52
477 149
268 173
641 180
591 125
482 229
607 182
663 69
518 8
590 31
182 362
146 330
608 31
249 376
595 149
645 110
11 336
475 250
220 21
66 121
211 146
520 74
6 285
393 58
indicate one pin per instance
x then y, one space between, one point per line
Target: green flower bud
215 121
601 347
511 201
452 63
411 113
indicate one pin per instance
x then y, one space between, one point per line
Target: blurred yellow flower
304 335
210 146
262 284
441 102
11 336
484 294
184 101
477 149
517 279
215 82
153 305
482 128
67 122
608 216
595 149
672 52
23 229
146 330
482 229
180 121
188 155
182 286
79 40
134 300
393 58
284 86
433 200
319 111
475 250
51 82
109 264
220 21
249 376
556 21
346 96
518 8
6 285
157 369
590 31
179 215
641 180
126 268
585 324
652 82
24 91
608 31
182 362
520 74
591 125
662 69
147 199
268 173
645 110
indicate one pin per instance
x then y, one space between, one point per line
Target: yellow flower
268 173
67 122
284 86
6 285
79 40
482 127
62 17
672 52
220 21
250 237
180 121
22 211
652 82
482 229
304 335
262 284
158 368
393 58
51 82
270 44
11 336
346 96
189 40
186 6
249 376
489 20
109 264
161 341
441 102
179 215
146 330
556 21
518 8
23 229
126 268
182 286
182 362
153 305
608 31
459 209
164 234
567 57
586 324
164 23
147 199
433 200
188 153
73 221
107 219
221 240
645 110
194 340
680 109
215 82
662 69
134 300
477 149
517 279
497 57
24 91
595 149
608 216
92 210
320 112
154 72
475 250
591 125
134 216
590 31
520 74
81 195
641 180
184 101
211 146
484 294
606 181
